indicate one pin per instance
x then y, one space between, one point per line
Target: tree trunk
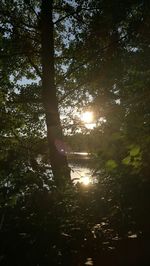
58 160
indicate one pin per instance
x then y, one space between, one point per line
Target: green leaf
135 151
111 164
126 160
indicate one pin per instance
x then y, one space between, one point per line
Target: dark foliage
101 60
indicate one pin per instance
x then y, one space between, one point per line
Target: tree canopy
58 59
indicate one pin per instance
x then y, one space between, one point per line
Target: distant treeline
83 142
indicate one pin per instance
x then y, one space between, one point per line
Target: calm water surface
81 166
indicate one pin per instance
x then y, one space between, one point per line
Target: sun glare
85 180
87 117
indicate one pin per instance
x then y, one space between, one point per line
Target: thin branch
28 28
11 55
38 72
11 20
67 94
78 67
62 18
18 53
33 10
6 30
90 59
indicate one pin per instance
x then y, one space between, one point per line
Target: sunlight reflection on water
81 167
81 170
78 172
89 261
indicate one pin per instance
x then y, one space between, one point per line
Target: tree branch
38 72
89 59
67 94
60 19
33 10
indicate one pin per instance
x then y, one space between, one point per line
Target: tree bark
58 160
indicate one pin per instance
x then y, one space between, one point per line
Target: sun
85 180
87 117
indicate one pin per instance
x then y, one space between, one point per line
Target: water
78 172
81 167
